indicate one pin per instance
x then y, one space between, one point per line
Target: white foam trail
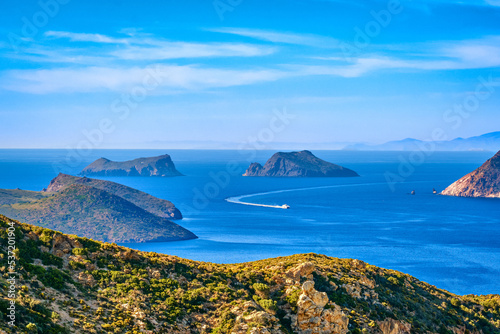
237 199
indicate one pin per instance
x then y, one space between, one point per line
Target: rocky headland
483 182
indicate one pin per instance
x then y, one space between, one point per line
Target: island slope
96 209
154 166
157 206
68 284
97 214
298 164
483 182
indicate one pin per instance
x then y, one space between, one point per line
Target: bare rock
391 326
86 279
302 270
313 318
31 235
483 182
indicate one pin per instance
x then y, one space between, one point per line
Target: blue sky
178 74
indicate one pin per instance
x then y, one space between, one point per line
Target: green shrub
31 328
79 251
268 304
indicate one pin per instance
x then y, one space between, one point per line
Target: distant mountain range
486 142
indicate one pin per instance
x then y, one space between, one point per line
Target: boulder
313 318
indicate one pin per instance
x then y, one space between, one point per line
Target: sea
452 243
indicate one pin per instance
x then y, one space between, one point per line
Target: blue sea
452 243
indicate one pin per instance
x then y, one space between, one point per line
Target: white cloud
123 69
178 50
455 55
141 47
280 37
92 79
84 37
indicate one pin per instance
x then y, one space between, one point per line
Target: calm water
453 243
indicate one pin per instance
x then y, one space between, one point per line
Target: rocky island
155 166
96 209
69 284
298 164
483 182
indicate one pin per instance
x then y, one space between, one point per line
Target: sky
226 73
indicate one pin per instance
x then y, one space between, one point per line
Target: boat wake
238 199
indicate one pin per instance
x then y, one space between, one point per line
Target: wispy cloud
135 47
178 50
84 37
95 79
444 55
280 37
123 66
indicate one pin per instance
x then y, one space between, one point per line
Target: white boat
285 206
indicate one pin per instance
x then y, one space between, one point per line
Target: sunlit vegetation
75 285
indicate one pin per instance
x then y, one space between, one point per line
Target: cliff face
298 164
483 182
68 284
155 166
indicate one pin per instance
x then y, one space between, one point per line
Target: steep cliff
483 182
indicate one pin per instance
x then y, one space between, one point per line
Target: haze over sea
453 243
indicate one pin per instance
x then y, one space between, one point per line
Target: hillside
483 182
97 209
298 164
75 285
154 166
12 196
157 206
94 213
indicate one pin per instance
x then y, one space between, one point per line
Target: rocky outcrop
483 182
391 326
313 318
155 166
250 316
298 164
302 270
